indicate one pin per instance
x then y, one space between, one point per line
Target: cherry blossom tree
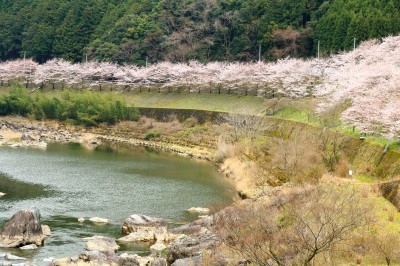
368 78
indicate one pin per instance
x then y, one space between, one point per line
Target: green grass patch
294 114
365 178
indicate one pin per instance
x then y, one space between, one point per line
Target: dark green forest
133 31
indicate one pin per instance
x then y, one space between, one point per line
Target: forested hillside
180 30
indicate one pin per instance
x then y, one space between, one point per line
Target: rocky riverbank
180 246
20 132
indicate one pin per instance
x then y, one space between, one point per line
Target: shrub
223 151
295 228
190 122
16 102
150 135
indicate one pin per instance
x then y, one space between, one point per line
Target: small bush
391 216
150 135
190 122
223 152
342 168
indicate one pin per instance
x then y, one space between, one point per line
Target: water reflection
66 182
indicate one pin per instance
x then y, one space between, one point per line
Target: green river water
67 181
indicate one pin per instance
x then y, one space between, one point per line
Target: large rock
159 262
93 255
101 243
194 227
138 221
22 229
140 235
193 245
128 261
194 261
96 257
26 137
144 228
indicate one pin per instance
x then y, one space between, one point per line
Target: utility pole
259 53
319 43
24 55
147 59
354 46
86 57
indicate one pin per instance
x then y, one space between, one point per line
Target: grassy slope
250 105
209 102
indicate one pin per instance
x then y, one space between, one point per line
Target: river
67 181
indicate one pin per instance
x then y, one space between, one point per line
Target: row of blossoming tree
369 77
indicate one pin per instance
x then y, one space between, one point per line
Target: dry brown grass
342 168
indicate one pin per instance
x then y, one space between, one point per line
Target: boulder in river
99 220
29 247
22 229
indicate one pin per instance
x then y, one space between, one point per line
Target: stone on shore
81 220
134 260
159 262
26 136
140 235
101 243
194 261
193 245
2 194
61 262
199 210
158 247
22 229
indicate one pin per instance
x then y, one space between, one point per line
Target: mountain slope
133 31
